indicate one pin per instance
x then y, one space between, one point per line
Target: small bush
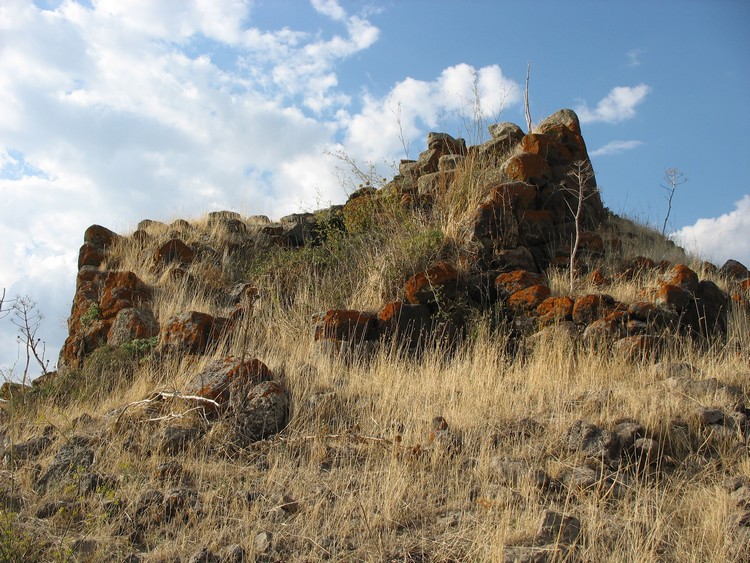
93 313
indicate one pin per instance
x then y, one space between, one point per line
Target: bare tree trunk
581 173
674 178
527 109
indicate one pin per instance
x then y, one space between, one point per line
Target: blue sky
120 110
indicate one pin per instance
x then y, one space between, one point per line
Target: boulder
259 413
437 283
591 307
220 378
192 332
495 151
132 324
594 442
527 300
122 290
528 168
564 127
509 283
100 237
505 129
446 144
637 347
557 528
90 255
514 472
219 216
549 148
450 162
347 325
410 324
495 226
683 277
733 269
554 310
435 183
673 297
173 251
514 195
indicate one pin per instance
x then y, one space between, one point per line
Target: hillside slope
416 375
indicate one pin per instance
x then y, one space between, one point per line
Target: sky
114 111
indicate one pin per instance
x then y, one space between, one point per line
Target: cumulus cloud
619 105
616 147
116 111
720 238
461 92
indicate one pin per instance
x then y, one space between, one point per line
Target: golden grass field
355 476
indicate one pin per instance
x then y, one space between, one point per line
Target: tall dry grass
354 477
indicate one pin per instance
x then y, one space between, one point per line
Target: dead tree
581 186
674 178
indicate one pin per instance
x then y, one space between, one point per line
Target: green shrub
141 347
93 313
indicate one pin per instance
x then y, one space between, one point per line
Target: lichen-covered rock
100 237
347 325
173 251
122 290
90 255
528 168
527 300
437 284
192 332
554 310
410 324
261 412
132 324
594 442
509 283
682 277
591 307
220 378
549 148
637 347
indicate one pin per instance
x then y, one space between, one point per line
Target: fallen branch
161 395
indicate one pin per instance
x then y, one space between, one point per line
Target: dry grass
353 477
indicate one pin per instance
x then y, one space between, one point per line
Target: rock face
521 228
101 298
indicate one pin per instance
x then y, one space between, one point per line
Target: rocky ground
416 375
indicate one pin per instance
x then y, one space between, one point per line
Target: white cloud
461 92
720 238
616 147
117 111
330 8
617 106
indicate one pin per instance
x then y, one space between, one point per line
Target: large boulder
410 324
509 283
258 413
132 324
437 284
221 378
528 168
192 332
347 325
122 290
173 251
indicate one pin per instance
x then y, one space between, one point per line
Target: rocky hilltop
475 360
